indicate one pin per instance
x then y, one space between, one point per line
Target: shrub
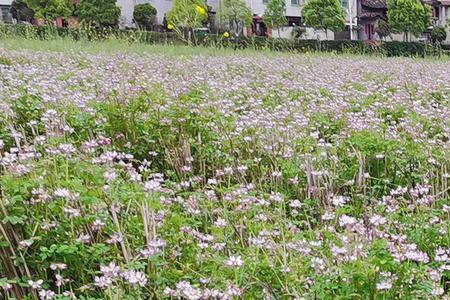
438 34
144 15
99 13
382 29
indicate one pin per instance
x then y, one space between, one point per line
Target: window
265 1
295 2
294 21
5 15
344 3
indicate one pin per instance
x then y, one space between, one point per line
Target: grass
115 46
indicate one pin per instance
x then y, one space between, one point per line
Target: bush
438 34
144 15
298 32
383 30
100 13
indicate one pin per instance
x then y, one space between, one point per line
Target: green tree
275 14
186 15
382 29
49 10
99 12
438 34
234 15
324 15
20 11
408 16
144 15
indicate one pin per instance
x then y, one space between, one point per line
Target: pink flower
135 277
46 294
36 285
234 261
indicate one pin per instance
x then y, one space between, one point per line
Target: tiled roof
370 15
374 3
437 2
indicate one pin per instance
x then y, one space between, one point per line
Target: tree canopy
50 9
144 15
99 12
408 16
324 14
438 34
188 13
234 15
275 14
383 29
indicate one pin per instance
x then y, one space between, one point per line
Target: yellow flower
226 35
200 10
170 26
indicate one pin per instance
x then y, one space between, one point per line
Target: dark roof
374 3
371 15
437 2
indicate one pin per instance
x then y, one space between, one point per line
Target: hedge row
392 48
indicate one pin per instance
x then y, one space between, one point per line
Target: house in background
441 14
5 14
350 31
441 11
370 13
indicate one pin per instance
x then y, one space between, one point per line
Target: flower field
149 176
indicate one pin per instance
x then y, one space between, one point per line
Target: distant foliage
275 14
438 34
298 32
20 11
144 15
102 13
234 15
50 9
188 13
408 17
382 29
324 15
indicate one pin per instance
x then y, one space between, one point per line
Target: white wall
5 2
285 32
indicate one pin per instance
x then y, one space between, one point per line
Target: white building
293 13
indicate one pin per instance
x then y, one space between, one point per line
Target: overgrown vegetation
85 34
223 177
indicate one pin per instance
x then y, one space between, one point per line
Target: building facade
5 14
370 13
441 14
